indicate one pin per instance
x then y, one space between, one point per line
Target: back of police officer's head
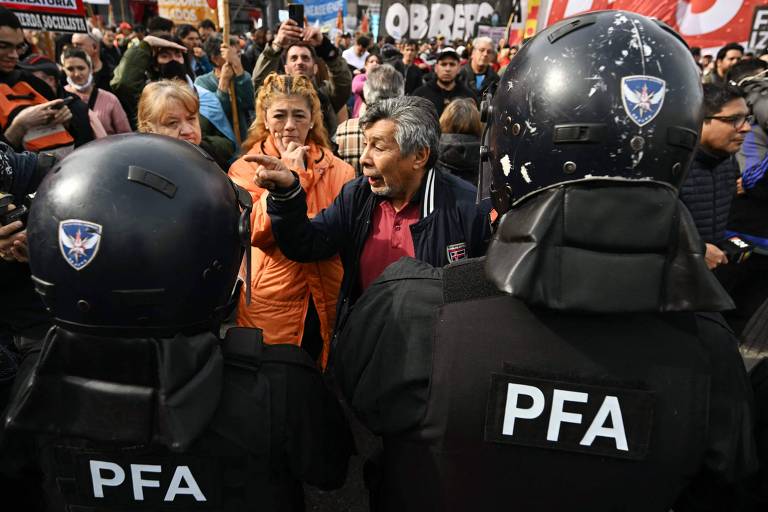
605 94
137 235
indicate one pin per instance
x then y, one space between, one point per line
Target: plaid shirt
349 137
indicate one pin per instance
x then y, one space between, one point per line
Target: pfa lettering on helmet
569 415
643 97
79 242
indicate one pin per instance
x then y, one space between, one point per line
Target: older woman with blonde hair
291 302
170 107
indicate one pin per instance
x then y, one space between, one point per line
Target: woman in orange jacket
291 302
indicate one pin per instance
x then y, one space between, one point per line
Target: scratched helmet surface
135 233
608 93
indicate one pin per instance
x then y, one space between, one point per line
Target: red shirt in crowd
389 240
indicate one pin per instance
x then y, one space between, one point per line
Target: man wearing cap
445 87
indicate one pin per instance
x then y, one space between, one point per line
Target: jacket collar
709 159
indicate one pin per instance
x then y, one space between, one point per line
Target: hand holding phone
63 103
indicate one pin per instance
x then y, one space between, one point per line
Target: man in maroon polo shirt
401 206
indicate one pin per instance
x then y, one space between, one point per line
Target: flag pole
223 11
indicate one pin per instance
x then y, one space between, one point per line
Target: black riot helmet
138 234
604 94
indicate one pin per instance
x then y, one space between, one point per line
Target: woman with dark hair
103 104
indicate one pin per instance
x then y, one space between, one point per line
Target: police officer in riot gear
135 245
567 369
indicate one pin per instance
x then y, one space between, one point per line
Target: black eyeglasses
735 121
5 46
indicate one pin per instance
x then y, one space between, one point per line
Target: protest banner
185 11
450 18
49 15
324 13
495 33
758 36
704 24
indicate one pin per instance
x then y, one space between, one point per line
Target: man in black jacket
445 87
413 74
401 206
477 74
710 186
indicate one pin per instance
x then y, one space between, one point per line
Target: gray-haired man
382 82
477 74
401 206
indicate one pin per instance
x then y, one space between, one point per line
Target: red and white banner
703 23
53 15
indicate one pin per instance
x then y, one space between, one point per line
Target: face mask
173 69
81 88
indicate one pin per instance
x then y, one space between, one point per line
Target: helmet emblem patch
79 242
643 97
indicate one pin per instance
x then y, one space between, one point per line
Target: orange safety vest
14 99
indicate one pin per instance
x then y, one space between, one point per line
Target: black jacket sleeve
20 173
305 240
383 358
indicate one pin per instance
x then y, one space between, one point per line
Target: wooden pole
223 8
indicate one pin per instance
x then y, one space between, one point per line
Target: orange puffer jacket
280 287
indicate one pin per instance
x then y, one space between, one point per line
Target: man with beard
445 87
402 205
301 50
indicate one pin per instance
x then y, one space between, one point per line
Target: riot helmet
605 94
138 234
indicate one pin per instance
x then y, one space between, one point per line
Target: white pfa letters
558 415
109 474
512 411
118 476
610 408
183 474
608 421
139 483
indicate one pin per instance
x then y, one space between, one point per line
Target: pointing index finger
268 162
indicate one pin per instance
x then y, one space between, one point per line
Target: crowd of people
357 153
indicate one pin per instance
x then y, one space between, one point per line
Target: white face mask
81 88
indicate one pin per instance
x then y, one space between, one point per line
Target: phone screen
296 13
